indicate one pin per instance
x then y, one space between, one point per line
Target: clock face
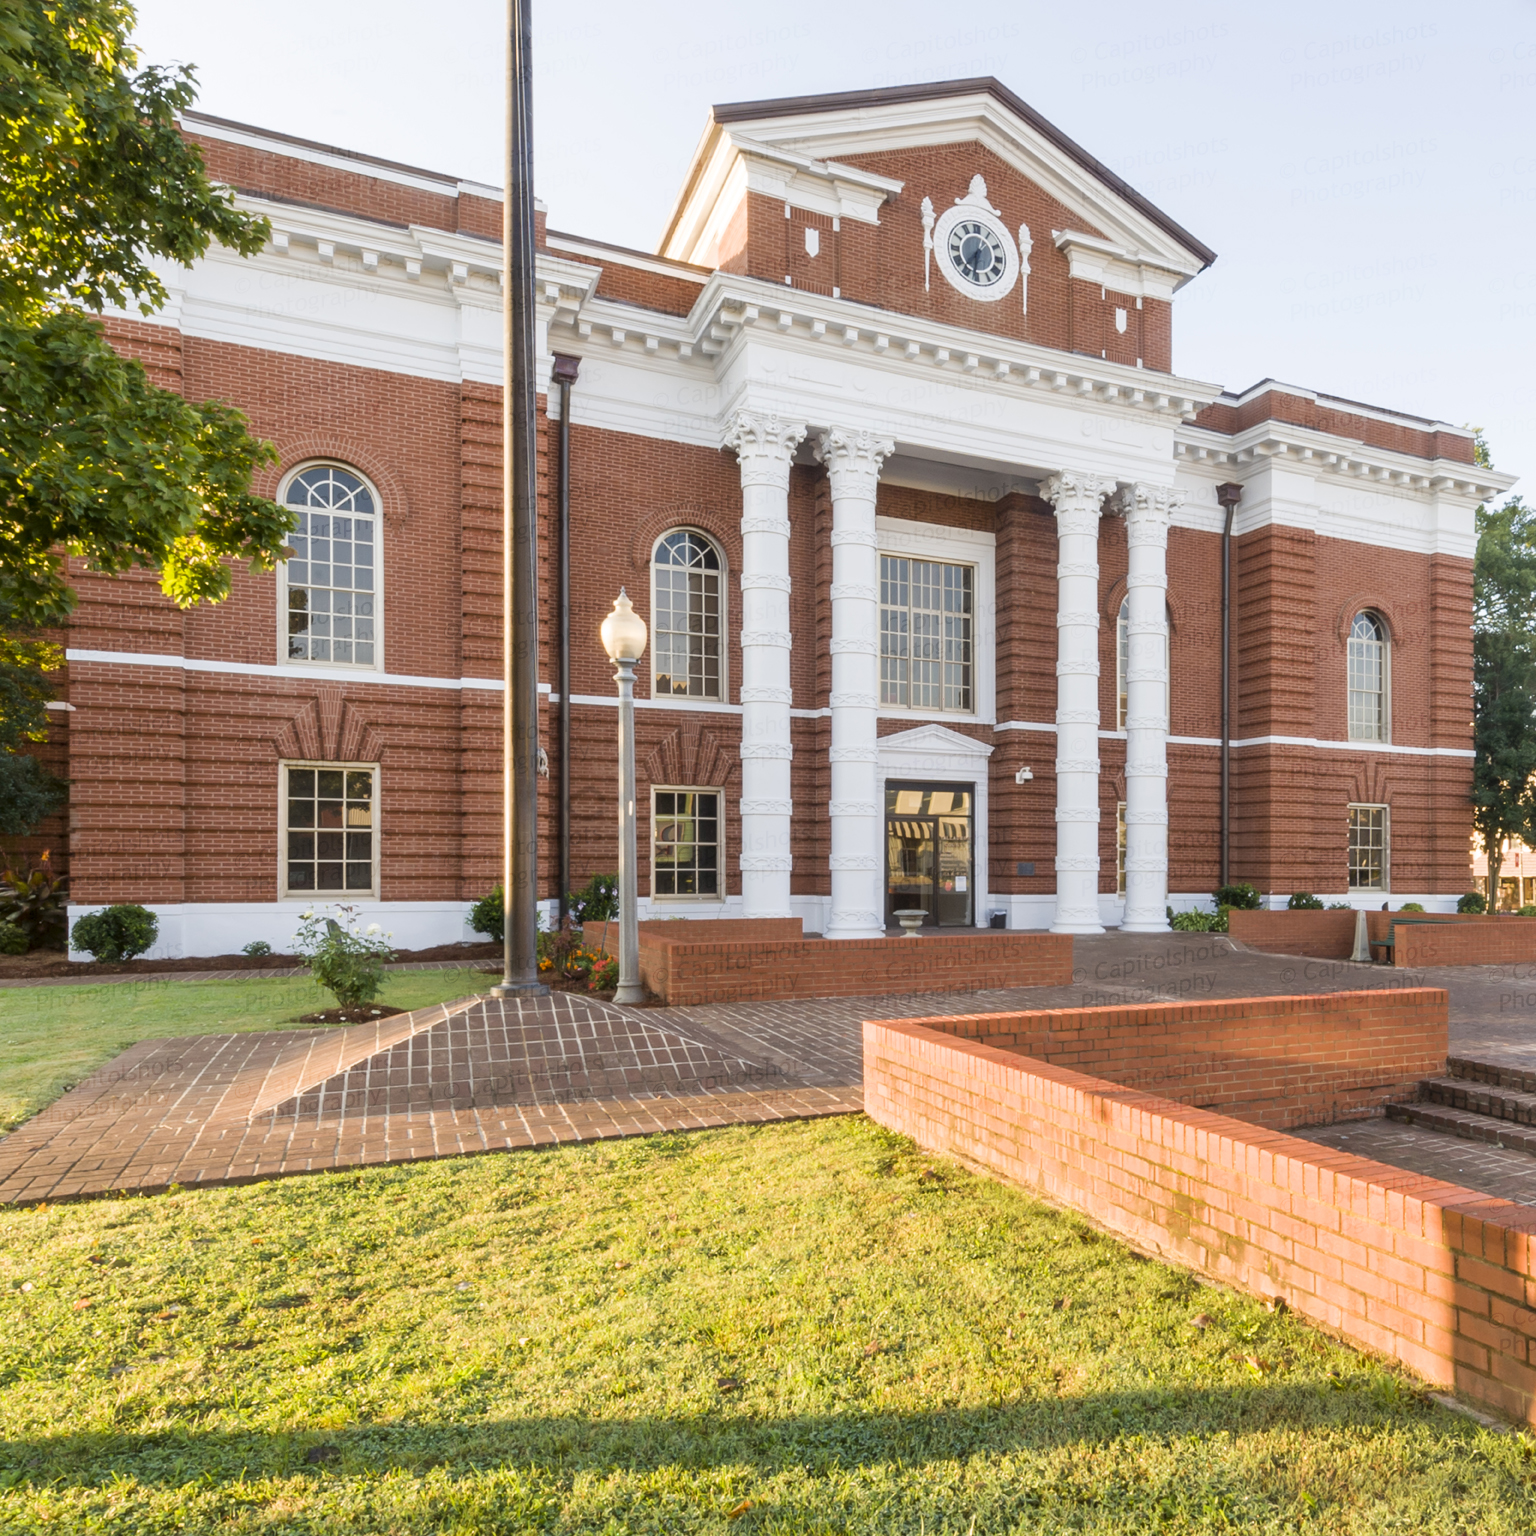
977 253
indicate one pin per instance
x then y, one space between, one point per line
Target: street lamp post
623 633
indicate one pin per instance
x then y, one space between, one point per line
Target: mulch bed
349 1015
54 962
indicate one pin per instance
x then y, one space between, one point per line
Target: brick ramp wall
686 972
1279 1062
1491 941
1440 1278
1319 935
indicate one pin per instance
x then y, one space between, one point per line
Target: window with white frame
687 618
1370 848
1120 849
926 617
332 578
330 829
685 844
1368 657
1123 667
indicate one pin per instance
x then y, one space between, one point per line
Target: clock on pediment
972 245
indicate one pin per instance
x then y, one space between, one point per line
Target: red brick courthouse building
886 443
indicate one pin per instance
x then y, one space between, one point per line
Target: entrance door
928 861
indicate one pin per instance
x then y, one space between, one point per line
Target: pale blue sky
1366 172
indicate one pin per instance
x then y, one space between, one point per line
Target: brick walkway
477 1076
482 1076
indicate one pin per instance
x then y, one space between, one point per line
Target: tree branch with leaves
96 462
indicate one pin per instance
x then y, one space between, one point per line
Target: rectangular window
925 634
1120 850
685 844
330 829
1370 863
331 590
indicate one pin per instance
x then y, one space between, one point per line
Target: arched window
687 597
1123 667
1368 718
332 579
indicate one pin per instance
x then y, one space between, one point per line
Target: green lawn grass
52 1037
645 1336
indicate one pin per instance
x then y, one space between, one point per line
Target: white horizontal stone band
764 581
777 639
766 861
765 693
778 525
770 751
766 807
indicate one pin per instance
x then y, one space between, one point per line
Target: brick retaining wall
1440 1278
1435 938
1279 1062
687 970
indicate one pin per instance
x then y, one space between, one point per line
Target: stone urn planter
911 919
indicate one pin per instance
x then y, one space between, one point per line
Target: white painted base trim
226 927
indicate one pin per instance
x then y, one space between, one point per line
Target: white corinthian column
1148 510
765 446
1077 499
853 462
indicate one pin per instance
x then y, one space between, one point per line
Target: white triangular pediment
825 130
935 741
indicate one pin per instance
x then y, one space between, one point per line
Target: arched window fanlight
1368 658
687 593
1123 667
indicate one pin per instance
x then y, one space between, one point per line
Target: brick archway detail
396 508
723 528
1115 595
328 729
1353 605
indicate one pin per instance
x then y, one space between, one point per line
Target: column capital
1147 510
765 445
853 460
1077 498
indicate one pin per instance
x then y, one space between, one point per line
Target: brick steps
1478 1101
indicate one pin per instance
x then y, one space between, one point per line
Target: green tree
95 461
1504 681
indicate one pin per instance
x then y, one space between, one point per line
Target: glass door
929 861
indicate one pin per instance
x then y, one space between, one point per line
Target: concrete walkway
484 1075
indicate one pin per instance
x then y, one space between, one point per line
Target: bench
1390 942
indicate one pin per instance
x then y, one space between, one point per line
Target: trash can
998 920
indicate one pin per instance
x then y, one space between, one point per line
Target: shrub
1200 922
596 902
1245 897
257 948
1340 906
37 902
488 916
13 939
605 975
345 958
1305 901
116 933
1473 901
1528 911
1411 906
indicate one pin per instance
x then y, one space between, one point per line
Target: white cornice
1323 453
734 164
1124 271
732 307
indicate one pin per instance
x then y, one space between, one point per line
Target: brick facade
175 766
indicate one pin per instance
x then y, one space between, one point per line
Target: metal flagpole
520 619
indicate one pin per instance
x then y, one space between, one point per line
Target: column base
854 933
1077 928
1146 927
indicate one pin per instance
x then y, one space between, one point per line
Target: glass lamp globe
623 631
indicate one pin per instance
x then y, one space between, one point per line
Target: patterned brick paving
482 1076
476 1076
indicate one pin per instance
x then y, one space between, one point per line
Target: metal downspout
564 375
1228 495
